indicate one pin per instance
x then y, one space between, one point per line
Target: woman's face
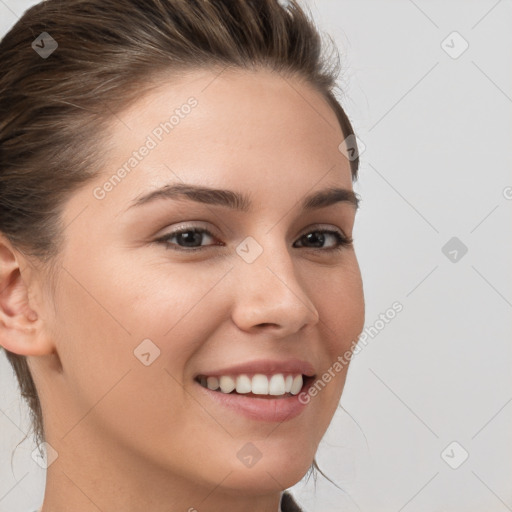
135 319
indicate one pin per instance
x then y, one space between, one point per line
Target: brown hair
55 109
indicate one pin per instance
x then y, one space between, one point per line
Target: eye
191 238
318 237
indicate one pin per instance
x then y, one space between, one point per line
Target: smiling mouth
277 385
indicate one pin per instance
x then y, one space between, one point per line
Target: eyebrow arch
239 201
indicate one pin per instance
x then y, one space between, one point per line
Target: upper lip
266 366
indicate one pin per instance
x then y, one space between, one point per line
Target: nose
270 296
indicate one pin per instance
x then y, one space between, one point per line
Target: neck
88 477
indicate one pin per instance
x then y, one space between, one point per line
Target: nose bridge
268 291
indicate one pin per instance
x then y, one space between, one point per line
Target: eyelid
323 227
184 226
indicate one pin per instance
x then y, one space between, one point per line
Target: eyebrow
239 201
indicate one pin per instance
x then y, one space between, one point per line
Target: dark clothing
288 504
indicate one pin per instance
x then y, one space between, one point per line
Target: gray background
436 165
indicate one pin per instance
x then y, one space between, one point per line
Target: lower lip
260 409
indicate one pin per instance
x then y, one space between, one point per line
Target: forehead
247 129
231 106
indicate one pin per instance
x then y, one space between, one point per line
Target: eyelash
342 241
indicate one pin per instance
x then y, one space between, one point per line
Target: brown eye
318 238
187 239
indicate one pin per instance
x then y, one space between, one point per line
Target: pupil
188 239
319 236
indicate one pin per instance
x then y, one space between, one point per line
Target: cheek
339 298
176 308
125 344
338 295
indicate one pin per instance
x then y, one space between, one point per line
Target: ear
21 324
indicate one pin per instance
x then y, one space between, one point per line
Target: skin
133 437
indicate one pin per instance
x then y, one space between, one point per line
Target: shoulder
288 503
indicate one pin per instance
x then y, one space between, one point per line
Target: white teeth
296 385
288 383
227 384
258 384
243 384
276 385
212 383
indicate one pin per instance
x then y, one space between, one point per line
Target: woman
177 269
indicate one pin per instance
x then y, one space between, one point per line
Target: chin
270 473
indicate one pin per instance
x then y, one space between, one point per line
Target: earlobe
21 328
